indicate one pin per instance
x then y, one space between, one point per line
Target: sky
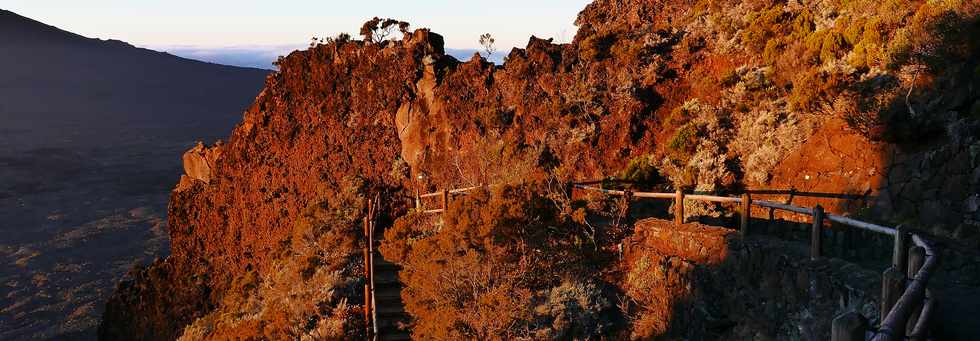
207 26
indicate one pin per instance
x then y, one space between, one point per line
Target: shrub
479 274
596 46
658 284
803 24
815 90
833 46
574 310
763 26
684 140
772 51
641 170
306 292
765 137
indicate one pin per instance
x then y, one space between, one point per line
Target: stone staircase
389 313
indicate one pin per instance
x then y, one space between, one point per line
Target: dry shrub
576 309
767 135
816 90
657 284
698 154
763 26
494 269
479 161
307 292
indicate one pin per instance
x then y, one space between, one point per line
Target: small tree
487 41
377 30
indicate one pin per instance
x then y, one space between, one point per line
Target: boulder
200 161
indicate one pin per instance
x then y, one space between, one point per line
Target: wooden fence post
746 214
900 252
850 326
917 257
892 287
418 200
445 200
367 270
679 206
570 190
816 233
627 200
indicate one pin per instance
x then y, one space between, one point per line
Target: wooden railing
906 303
370 307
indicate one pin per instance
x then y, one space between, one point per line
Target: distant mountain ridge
91 136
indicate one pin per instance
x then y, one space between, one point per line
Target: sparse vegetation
487 41
378 30
313 288
500 265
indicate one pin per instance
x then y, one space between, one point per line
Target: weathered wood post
746 214
816 233
679 206
900 251
892 287
627 200
445 200
418 199
850 326
367 270
917 257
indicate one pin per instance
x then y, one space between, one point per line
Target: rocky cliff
713 96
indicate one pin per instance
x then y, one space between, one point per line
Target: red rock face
354 109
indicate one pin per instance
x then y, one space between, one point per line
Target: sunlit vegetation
312 292
504 264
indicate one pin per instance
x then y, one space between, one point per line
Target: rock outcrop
200 161
199 165
702 282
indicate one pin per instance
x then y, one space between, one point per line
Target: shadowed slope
91 133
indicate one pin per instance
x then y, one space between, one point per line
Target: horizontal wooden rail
894 324
921 328
601 190
784 207
861 225
763 203
654 195
712 198
811 194
914 303
463 190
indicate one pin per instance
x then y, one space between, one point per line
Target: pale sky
227 23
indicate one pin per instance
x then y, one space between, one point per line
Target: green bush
684 141
641 170
762 26
834 45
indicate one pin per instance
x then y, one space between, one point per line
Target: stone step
390 323
387 292
390 309
382 265
388 301
385 277
395 336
